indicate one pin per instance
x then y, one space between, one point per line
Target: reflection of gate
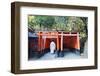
61 38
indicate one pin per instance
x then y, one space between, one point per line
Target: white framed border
25 64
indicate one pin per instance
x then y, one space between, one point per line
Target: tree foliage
42 21
59 23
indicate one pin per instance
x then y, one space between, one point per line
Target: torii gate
43 35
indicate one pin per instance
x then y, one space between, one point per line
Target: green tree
44 21
31 23
60 22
